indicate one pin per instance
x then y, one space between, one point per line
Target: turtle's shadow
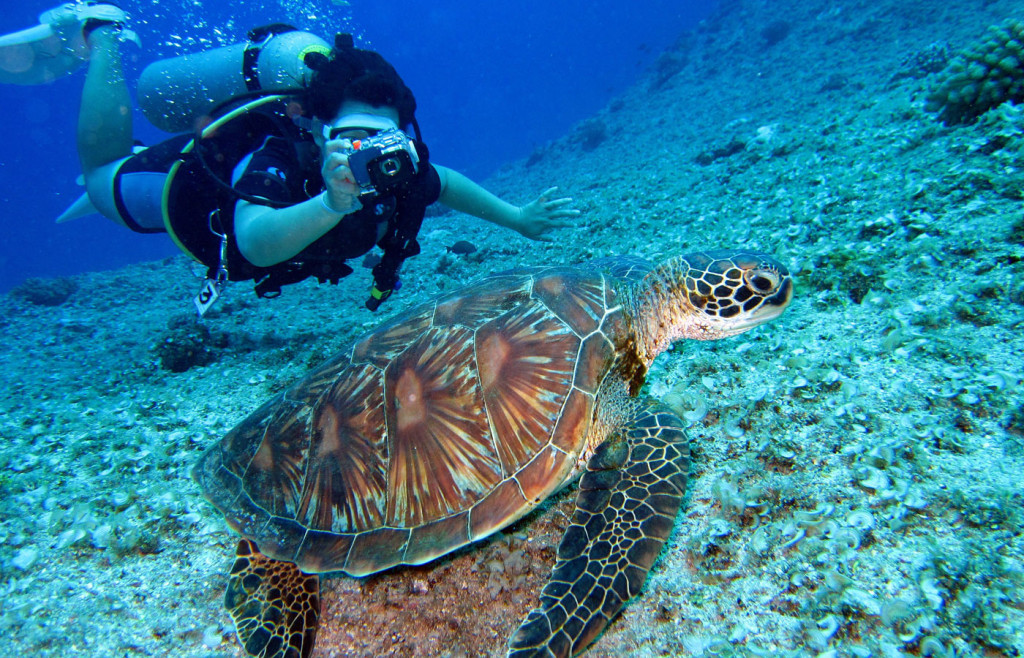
466 603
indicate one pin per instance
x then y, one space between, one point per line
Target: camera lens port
390 166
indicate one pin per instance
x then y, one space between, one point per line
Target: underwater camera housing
383 162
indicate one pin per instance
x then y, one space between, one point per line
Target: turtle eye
764 282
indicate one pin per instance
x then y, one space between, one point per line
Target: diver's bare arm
460 193
267 236
532 220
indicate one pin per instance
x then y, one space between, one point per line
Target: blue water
493 81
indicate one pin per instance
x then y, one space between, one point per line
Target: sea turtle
461 415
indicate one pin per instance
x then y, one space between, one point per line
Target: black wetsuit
275 173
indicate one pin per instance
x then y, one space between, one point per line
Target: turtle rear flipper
276 607
625 510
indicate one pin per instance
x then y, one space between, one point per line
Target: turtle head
729 292
710 295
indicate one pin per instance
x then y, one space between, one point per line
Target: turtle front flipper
625 510
276 607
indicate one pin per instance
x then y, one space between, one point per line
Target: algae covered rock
933 58
45 292
187 344
982 77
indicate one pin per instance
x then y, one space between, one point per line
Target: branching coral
982 77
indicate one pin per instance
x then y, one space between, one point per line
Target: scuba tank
176 94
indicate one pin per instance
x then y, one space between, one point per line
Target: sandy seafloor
857 482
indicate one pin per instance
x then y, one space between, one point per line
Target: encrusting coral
982 77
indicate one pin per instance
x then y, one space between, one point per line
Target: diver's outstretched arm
533 220
105 116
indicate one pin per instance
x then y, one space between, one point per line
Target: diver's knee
99 185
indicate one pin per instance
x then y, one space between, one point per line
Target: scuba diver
301 156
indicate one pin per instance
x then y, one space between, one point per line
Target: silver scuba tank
176 94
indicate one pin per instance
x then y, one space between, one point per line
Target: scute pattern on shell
349 448
525 361
438 428
442 459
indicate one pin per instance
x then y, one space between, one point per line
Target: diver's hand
342 191
545 214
